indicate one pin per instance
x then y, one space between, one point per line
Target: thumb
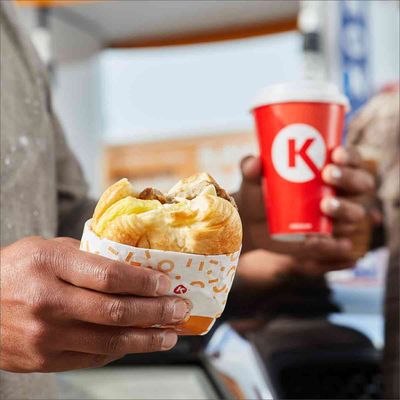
251 169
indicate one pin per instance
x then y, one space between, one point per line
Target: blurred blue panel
355 52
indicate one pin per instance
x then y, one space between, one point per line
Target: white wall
149 94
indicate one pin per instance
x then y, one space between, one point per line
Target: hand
262 269
317 254
64 309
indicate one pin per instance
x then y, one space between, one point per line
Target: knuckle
165 310
117 311
39 253
356 213
154 342
106 277
116 343
45 254
363 181
39 301
149 282
39 334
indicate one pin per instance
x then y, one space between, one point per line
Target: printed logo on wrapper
204 280
298 153
180 289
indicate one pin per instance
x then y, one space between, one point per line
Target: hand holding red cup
318 253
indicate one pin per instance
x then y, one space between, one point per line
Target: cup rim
300 92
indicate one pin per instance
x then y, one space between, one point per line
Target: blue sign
354 53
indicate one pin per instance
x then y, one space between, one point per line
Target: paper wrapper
204 280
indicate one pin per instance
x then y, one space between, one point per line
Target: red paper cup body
296 140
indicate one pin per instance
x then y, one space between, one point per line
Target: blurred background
156 90
130 77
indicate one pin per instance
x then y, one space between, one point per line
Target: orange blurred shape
195 325
53 3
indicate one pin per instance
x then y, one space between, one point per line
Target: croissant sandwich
195 216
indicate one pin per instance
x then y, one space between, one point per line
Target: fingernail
169 340
181 310
335 172
163 285
334 203
340 156
330 205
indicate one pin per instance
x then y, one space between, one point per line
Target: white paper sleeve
203 279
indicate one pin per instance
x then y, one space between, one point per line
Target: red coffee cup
298 126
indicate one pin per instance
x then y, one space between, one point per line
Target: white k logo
298 153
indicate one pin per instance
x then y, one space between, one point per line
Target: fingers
346 173
327 248
343 210
96 348
346 156
349 180
251 169
116 342
344 229
250 197
104 309
319 268
104 275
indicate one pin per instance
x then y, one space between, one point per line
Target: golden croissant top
195 216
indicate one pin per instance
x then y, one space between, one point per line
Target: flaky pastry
195 216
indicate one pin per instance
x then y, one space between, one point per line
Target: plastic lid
302 91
